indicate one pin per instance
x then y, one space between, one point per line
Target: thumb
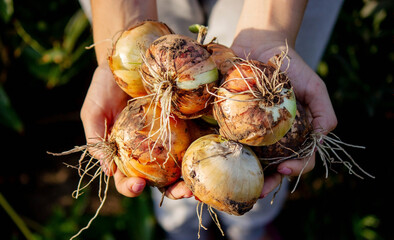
128 186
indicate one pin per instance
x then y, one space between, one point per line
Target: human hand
103 102
309 88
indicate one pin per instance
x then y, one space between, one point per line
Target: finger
296 167
324 118
178 190
108 167
128 186
270 183
103 101
311 90
93 113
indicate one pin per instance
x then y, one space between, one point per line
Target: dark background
45 73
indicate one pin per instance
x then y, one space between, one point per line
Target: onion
138 148
255 104
224 174
180 73
125 60
222 55
294 140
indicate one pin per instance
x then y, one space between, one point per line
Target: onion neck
201 30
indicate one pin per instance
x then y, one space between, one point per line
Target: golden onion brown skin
293 141
125 59
136 155
184 65
223 174
222 55
257 119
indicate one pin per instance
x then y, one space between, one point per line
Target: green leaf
8 116
6 9
74 29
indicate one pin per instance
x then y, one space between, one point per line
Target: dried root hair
163 133
331 150
212 213
113 41
268 88
90 167
161 99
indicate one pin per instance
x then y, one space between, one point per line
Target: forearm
271 20
109 18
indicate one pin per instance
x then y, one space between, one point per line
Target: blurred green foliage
136 221
358 60
6 9
47 39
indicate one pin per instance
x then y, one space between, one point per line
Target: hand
102 104
309 88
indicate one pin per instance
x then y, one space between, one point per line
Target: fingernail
188 195
138 187
285 171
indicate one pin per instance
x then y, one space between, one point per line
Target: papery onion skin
208 116
293 141
223 174
222 55
255 120
125 60
182 64
134 151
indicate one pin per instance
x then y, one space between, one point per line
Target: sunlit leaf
75 27
8 116
368 9
6 9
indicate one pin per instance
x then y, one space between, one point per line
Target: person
258 29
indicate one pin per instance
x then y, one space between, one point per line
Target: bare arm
105 99
272 20
111 17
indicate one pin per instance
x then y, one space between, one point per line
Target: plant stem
201 30
16 218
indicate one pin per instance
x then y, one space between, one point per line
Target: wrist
111 18
271 20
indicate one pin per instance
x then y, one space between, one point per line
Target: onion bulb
138 148
293 141
255 104
125 60
180 73
224 174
